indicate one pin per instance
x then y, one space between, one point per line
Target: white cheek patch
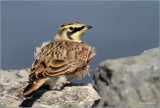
38 49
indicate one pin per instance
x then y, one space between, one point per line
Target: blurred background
120 29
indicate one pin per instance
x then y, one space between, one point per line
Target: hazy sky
120 29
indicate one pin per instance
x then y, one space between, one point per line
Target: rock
129 82
75 96
13 82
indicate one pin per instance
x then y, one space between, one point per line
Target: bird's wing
61 57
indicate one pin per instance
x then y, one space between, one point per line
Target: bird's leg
67 82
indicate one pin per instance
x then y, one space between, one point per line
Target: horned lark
60 60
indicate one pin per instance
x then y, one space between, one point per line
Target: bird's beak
88 27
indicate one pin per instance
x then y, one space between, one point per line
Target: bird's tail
32 87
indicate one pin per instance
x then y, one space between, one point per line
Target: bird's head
72 31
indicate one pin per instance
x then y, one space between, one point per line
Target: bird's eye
71 28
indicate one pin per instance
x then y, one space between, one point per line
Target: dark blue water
120 29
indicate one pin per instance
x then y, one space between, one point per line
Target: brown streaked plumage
61 60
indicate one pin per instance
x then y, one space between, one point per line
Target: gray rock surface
13 82
130 81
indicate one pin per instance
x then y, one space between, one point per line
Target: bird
62 59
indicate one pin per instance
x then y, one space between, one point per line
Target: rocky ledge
13 82
129 82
